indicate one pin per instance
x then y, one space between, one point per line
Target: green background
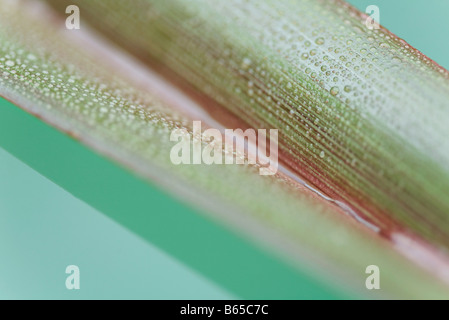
44 226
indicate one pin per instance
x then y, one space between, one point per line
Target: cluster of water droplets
352 104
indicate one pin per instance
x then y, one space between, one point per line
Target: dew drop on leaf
334 91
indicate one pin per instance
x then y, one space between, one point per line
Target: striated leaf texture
362 115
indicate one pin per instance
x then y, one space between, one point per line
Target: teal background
51 219
422 23
44 228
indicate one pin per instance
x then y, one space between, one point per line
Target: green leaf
354 145
362 115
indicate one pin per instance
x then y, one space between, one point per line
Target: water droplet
322 154
334 91
9 63
319 41
347 88
246 63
